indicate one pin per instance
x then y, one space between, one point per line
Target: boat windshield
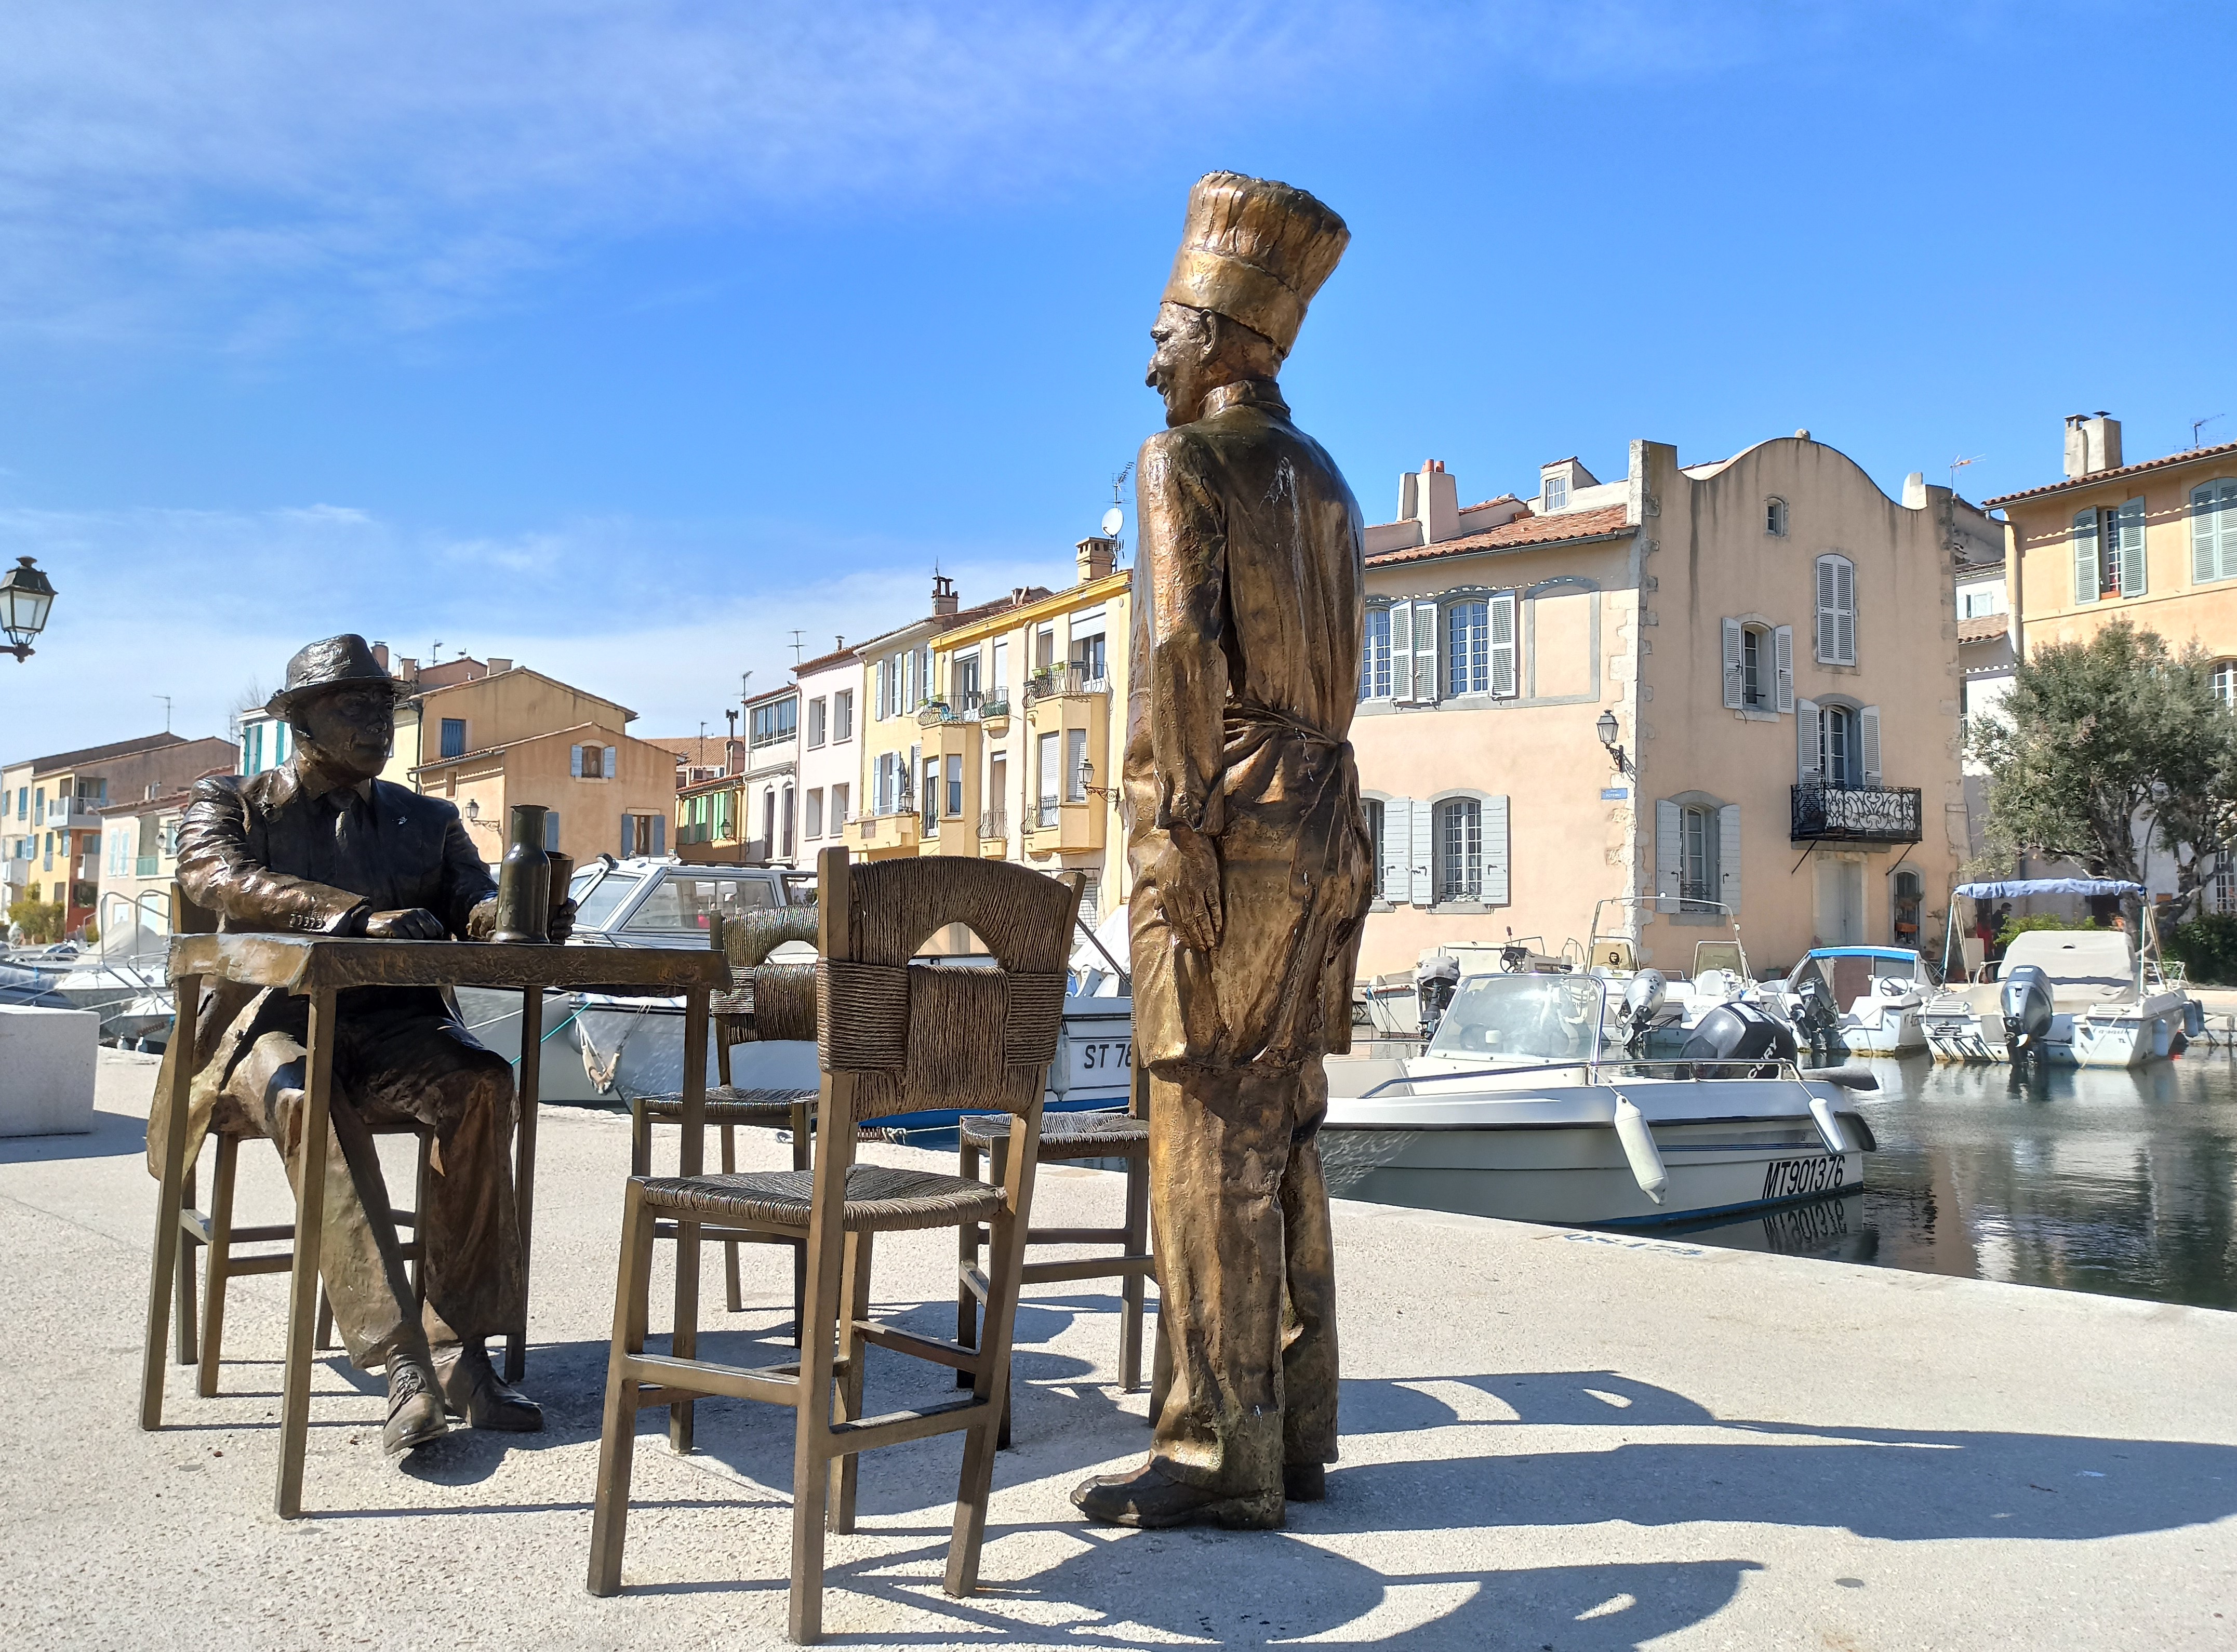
602 901
679 902
1523 1018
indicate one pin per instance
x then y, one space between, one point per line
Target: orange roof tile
1509 536
2107 476
1986 628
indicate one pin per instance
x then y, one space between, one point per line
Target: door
1840 903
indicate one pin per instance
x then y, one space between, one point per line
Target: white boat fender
1646 1167
1829 1126
2194 1018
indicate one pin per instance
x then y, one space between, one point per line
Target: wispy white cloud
204 604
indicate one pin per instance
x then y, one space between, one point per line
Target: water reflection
2119 1182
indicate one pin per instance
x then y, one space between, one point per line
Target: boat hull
2135 1039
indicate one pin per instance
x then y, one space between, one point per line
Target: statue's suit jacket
263 854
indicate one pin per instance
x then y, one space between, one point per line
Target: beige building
1774 640
830 750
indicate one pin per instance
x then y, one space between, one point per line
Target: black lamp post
1605 728
25 596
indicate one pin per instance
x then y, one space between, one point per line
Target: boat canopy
2017 888
1863 952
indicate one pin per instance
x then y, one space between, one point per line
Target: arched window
1458 847
1836 610
1774 518
1838 760
2224 683
1908 893
2214 531
1697 883
1467 648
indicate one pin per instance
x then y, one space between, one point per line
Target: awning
2026 886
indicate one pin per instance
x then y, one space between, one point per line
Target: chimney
2093 444
408 669
1432 500
380 655
498 663
1096 556
943 594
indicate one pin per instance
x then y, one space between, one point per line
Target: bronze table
322 968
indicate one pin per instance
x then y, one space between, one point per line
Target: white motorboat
1524 1107
1877 992
2070 997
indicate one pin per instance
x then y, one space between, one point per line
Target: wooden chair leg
800 1137
966 1256
303 1274
618 1439
182 1306
812 1443
855 1306
186 994
1132 1289
640 1139
1013 1167
221 1262
733 1297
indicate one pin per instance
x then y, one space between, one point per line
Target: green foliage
41 920
2105 746
2015 927
2207 946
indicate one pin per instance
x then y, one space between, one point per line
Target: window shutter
1669 854
1397 849
552 831
1494 851
628 837
1806 771
1782 648
1827 639
1868 725
607 769
1844 610
1401 651
1424 868
1425 653
2085 555
1366 654
1504 654
660 833
2131 520
1735 685
2205 521
575 761
1728 856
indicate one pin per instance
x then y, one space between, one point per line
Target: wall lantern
25 596
1605 728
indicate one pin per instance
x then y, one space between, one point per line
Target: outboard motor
1738 1041
1642 1002
1435 984
1816 1017
2026 1002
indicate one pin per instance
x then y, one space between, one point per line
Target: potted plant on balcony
934 710
994 715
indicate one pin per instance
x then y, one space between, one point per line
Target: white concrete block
47 1059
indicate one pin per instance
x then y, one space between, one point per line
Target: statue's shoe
1304 1482
415 1406
486 1400
1146 1498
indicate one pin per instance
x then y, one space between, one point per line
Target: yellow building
1018 750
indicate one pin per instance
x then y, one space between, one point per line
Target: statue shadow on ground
114 1135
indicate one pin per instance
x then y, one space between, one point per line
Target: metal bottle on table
524 881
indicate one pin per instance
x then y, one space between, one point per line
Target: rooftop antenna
434 651
1115 518
1959 464
2197 424
795 648
167 709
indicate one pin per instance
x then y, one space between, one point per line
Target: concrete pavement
1551 1440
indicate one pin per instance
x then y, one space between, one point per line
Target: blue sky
625 338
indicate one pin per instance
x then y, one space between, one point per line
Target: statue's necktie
350 821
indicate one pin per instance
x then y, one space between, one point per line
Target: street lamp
25 596
1605 728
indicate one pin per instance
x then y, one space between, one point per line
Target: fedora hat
339 662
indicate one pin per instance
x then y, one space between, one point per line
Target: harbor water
2119 1182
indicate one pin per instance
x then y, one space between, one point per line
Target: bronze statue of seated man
320 845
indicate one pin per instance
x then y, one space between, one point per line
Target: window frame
1374 659
1700 827
1444 814
1775 517
2219 504
1831 652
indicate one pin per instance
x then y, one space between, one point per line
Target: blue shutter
575 761
660 833
628 838
551 832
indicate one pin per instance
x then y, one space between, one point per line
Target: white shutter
1425 653
575 761
1494 851
1424 872
1669 854
1735 677
607 769
2205 521
1504 652
1728 855
1397 847
1806 756
1782 644
2131 519
1868 724
2085 555
1824 633
1844 607
1401 651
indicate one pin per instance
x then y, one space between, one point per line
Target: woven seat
879 1199
728 1104
1066 1135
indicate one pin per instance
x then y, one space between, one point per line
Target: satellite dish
1113 519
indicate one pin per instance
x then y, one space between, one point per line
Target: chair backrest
188 915
783 995
919 1037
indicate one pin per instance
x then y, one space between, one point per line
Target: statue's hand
481 923
563 921
414 923
1187 874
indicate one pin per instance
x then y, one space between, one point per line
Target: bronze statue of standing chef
321 845
1252 863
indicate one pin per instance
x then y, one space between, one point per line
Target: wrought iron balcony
994 823
1057 681
1855 815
